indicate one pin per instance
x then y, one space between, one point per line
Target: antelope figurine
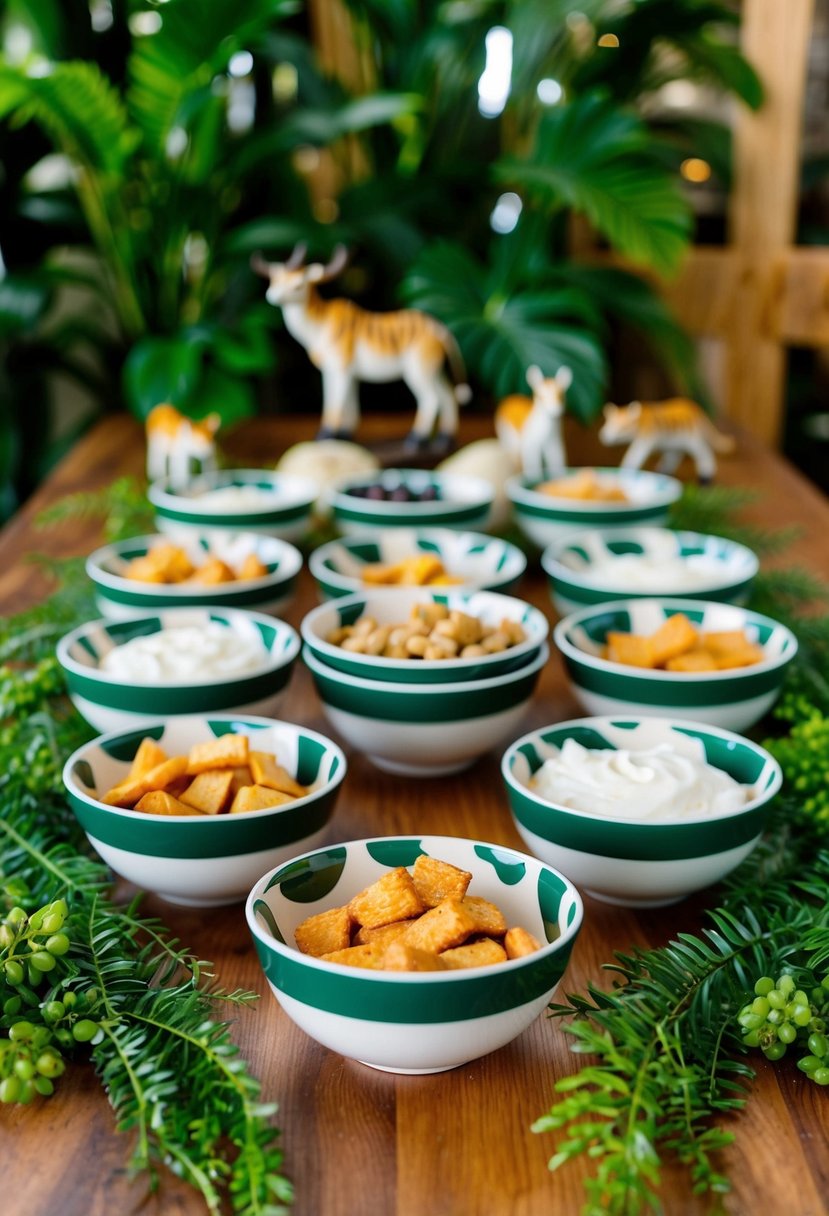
349 344
529 428
178 447
675 427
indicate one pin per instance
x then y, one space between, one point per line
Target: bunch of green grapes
783 1015
41 1013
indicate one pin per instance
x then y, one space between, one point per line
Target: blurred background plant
464 152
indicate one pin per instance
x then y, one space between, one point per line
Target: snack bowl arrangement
410 498
204 860
733 698
545 518
393 607
407 1021
634 847
235 500
469 559
425 730
122 587
179 661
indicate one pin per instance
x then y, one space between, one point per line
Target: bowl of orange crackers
414 954
195 809
681 658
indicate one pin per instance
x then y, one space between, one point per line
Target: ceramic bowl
254 500
477 561
545 520
204 860
462 502
425 730
631 563
109 702
393 605
733 699
413 1022
638 862
118 596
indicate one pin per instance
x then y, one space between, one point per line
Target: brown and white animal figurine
675 427
529 428
349 344
178 446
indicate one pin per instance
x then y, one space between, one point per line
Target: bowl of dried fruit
416 557
639 811
195 808
424 635
175 661
676 658
236 500
414 954
237 570
410 498
583 498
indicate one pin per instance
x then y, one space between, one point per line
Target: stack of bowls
424 717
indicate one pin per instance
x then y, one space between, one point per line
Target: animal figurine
529 428
675 427
178 447
349 344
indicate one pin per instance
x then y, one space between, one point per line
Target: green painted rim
265 592
663 491
581 595
169 504
449 514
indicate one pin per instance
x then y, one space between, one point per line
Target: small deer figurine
349 344
675 427
529 428
178 446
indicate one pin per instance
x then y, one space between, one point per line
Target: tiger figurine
178 446
676 427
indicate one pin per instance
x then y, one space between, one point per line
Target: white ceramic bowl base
122 612
105 718
738 716
183 532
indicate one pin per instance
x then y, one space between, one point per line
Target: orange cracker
257 798
438 880
157 802
399 956
369 956
392 897
209 792
228 751
266 771
129 791
673 637
148 756
324 933
694 660
252 567
518 942
481 953
629 648
746 656
383 934
486 916
442 927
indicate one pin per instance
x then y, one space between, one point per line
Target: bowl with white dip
625 563
640 812
236 500
179 661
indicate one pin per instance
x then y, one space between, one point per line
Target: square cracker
392 897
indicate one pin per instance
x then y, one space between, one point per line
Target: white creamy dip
647 571
653 785
185 654
238 498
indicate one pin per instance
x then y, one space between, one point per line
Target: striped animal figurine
529 428
675 427
179 447
349 344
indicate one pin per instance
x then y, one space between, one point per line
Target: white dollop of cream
648 572
238 498
655 784
185 654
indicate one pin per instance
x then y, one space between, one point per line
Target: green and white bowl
545 520
413 1022
118 596
425 730
631 563
465 502
479 561
204 860
733 699
285 512
110 703
393 605
640 863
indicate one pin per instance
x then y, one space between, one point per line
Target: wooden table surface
364 1143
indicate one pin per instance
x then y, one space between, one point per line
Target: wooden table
365 1143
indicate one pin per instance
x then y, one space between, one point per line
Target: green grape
50 1065
21 1030
817 1045
775 1051
775 1017
43 1086
24 1068
27 1092
800 998
802 1015
84 1030
821 1076
764 985
14 972
58 944
9 1089
776 999
787 1033
824 983
785 984
12 1006
69 999
760 1005
42 960
53 1011
808 1064
751 1021
752 1038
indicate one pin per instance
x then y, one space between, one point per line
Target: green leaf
158 370
233 399
23 300
597 159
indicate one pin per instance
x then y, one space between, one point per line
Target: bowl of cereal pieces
639 811
583 498
196 808
175 661
416 557
414 954
410 498
237 570
424 635
235 500
710 662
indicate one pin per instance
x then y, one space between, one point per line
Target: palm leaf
597 159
